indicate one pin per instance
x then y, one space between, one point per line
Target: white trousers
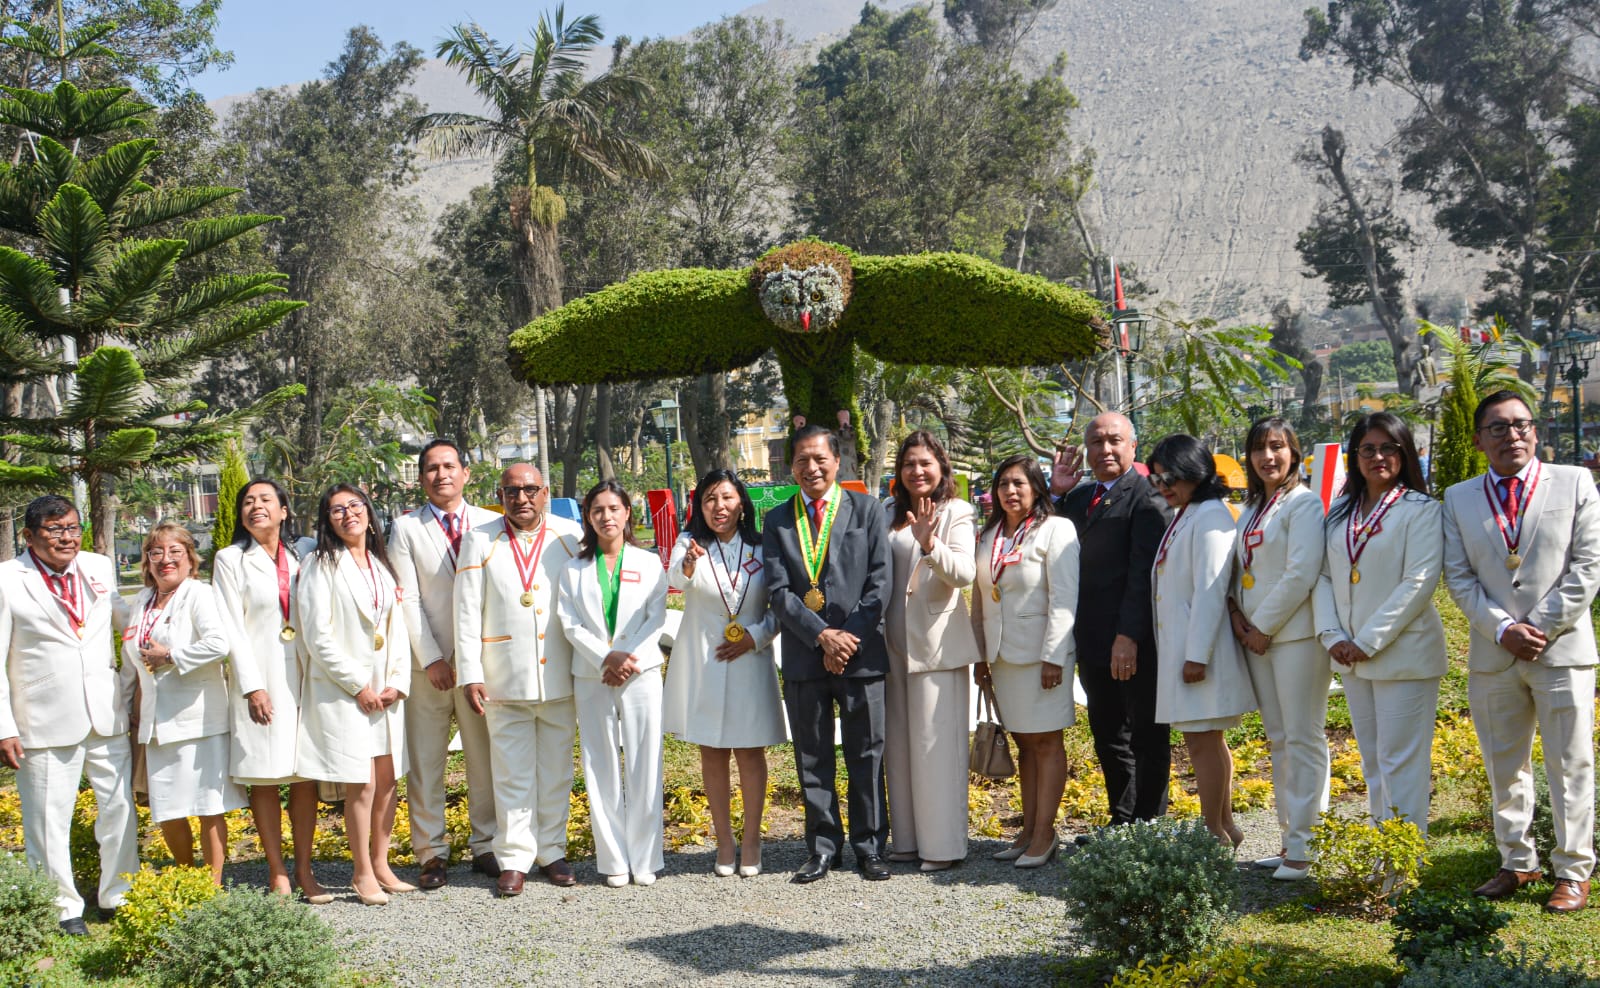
624 800
1506 707
47 783
428 713
925 757
530 747
1291 684
1393 721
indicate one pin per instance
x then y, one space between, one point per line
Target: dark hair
328 540
946 487
1355 481
812 431
1187 458
1488 401
591 541
440 443
1257 439
700 529
286 537
1042 508
47 507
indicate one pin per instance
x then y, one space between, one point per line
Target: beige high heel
376 899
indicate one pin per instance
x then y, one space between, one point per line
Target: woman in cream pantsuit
1202 686
1023 607
1278 551
1375 615
722 692
930 639
358 672
174 640
254 579
612 605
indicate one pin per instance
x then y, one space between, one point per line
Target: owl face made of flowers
809 300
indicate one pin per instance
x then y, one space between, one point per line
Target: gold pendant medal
1513 561
287 634
1355 575
527 599
377 643
734 632
1248 580
814 599
995 593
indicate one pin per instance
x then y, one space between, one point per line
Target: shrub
1430 923
1496 971
1150 890
1365 866
1235 967
249 938
155 901
27 907
580 838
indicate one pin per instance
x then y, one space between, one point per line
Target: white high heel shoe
1039 860
751 870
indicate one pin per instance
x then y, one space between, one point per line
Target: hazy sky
282 41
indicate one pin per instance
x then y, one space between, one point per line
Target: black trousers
1135 752
810 704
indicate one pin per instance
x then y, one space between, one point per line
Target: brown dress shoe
1570 895
485 864
435 873
510 882
559 873
1505 882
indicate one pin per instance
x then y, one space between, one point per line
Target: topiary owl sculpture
945 309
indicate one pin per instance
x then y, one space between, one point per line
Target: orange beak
805 320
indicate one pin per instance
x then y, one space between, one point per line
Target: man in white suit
63 706
515 667
423 548
1522 559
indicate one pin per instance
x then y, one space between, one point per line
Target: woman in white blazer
929 633
1277 551
358 672
1375 614
722 684
174 640
612 606
1202 686
1024 604
255 579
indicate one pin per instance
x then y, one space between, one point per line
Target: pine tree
230 483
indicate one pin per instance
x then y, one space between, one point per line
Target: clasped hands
838 647
1347 653
1524 641
371 701
1248 634
618 668
155 655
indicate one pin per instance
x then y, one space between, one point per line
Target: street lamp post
1128 326
1575 349
665 416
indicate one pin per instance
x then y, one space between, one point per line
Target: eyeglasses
1368 451
529 491
349 508
1499 430
1167 480
62 531
157 555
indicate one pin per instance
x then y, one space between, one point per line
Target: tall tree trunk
717 438
636 443
8 524
536 215
602 433
571 450
691 413
878 454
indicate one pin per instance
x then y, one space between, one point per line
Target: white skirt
1211 724
190 778
1026 706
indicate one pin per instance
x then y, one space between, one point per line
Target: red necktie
452 530
1094 502
816 514
1511 495
64 587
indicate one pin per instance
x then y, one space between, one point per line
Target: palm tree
555 126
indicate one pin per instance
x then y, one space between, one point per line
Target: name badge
95 585
1012 557
751 566
1253 539
630 576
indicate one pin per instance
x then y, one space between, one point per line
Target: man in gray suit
828 569
1522 559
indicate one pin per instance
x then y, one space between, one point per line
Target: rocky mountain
1195 110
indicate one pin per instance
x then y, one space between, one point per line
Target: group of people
346 660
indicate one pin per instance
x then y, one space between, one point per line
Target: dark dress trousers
1118 542
855 581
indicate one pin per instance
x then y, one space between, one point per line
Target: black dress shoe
435 874
485 864
873 868
816 867
107 915
74 927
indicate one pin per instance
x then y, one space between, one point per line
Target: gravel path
982 923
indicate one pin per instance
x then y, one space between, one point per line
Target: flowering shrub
1363 865
580 838
1235 967
27 907
155 902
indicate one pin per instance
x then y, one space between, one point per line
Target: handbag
991 753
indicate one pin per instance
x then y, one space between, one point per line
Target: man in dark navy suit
826 552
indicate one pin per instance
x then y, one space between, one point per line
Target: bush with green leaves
28 910
1150 890
155 901
1431 923
1495 971
1236 967
1364 865
249 938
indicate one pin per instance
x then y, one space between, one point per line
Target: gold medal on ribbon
734 632
527 599
1248 580
1513 561
287 634
995 593
814 552
377 643
1355 575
